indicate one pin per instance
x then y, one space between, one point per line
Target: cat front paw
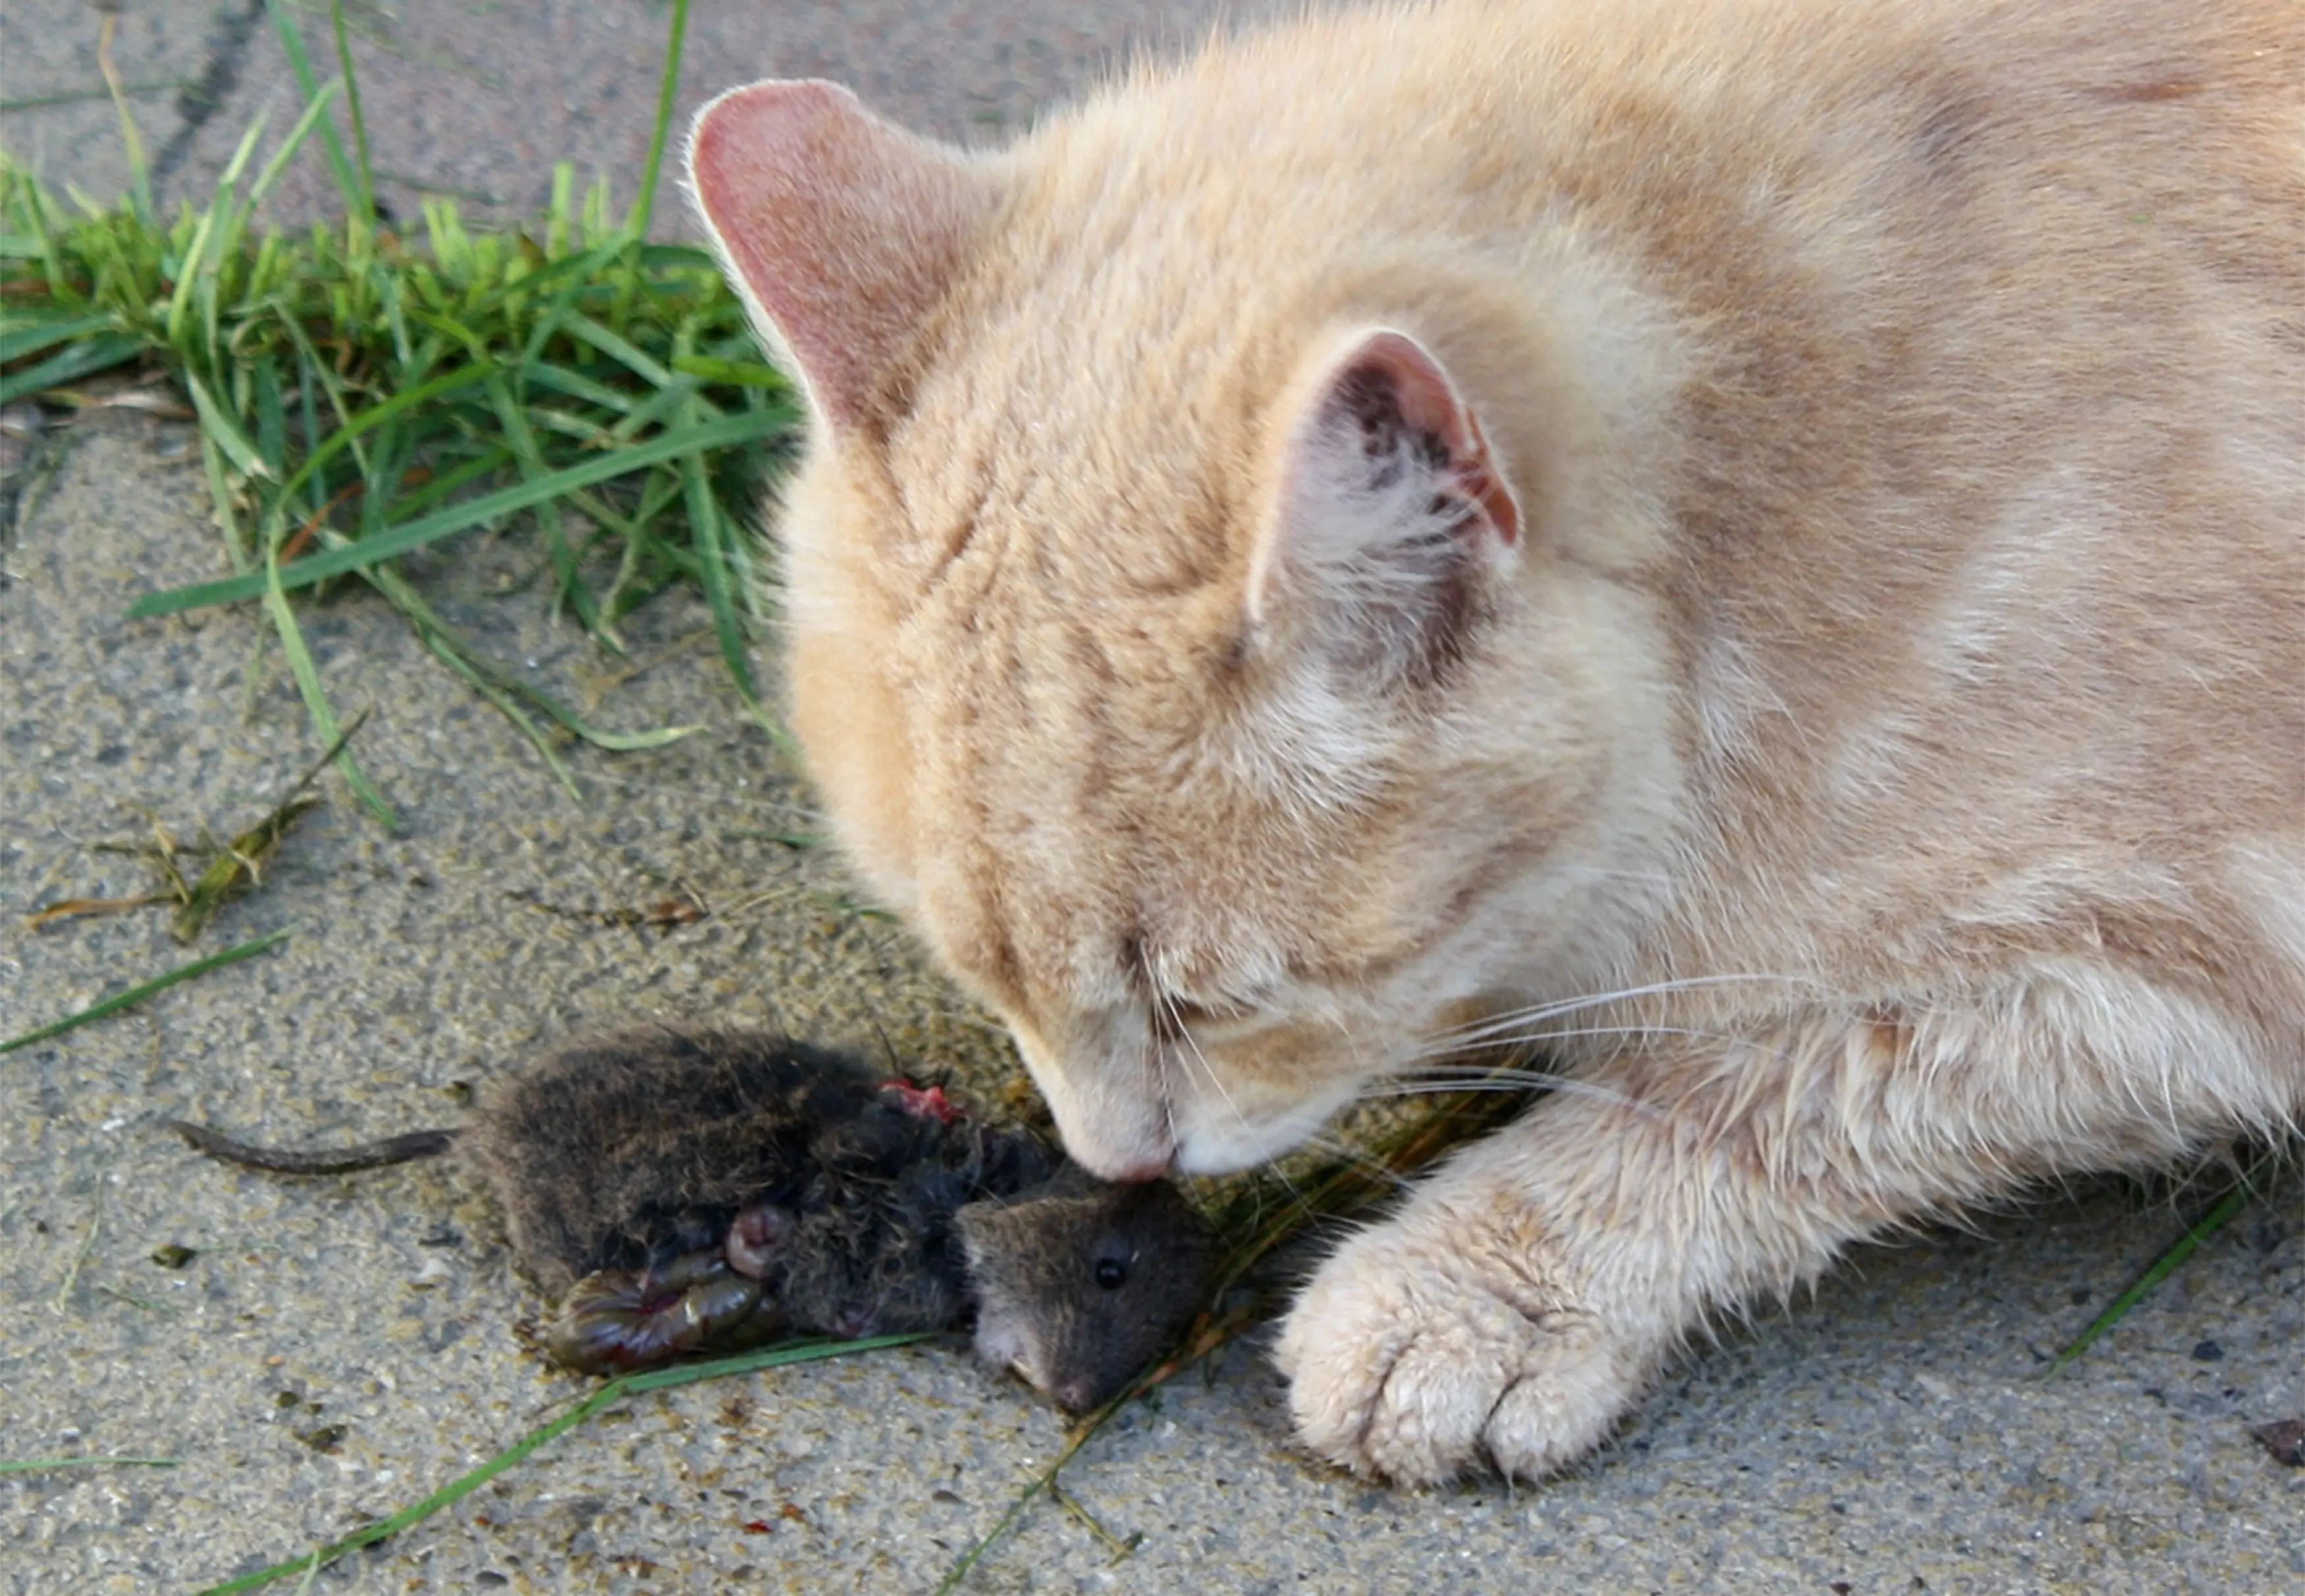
1433 1345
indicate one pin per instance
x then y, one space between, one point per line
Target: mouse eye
1111 1273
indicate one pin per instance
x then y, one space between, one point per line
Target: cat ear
1392 513
838 230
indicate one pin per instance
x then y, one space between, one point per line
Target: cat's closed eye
1176 1018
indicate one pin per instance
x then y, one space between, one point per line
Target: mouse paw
1441 1342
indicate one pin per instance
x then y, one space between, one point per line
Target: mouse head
1081 1284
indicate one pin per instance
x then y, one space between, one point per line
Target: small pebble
2208 1352
2285 1440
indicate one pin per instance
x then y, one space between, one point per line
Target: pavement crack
206 93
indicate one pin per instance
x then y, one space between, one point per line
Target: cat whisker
1567 1033
1175 1025
1469 1075
1603 872
1360 1159
1566 1085
1493 1025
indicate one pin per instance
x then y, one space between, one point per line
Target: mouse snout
757 1239
854 1324
1076 1395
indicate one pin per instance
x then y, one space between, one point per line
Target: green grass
363 392
2251 1185
613 1391
139 992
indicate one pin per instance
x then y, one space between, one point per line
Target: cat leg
1529 1292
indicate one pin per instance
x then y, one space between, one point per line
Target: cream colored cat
1760 542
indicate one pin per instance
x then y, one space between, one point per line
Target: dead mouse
828 1191
1076 1285
1080 1283
683 1192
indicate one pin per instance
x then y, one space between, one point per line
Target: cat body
1757 543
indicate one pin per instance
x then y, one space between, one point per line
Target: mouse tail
331 1160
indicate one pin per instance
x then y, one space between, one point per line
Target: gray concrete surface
1894 1434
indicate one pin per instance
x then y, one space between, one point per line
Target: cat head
1193 621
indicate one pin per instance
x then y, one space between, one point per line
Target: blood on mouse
928 1101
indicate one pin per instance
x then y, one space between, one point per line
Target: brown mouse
1081 1283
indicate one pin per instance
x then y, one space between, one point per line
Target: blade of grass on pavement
137 994
307 676
615 1390
2249 1185
643 210
291 44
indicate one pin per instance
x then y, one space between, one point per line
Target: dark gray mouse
829 1188
680 1192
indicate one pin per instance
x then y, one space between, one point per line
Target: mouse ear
838 231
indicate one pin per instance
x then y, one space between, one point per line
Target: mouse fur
1080 1283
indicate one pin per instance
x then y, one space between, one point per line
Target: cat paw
1432 1346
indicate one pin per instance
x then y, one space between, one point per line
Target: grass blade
643 209
522 443
291 43
718 575
137 994
2226 1207
615 1390
28 336
752 427
307 677
618 349
748 374
139 172
364 203
220 425
201 255
70 365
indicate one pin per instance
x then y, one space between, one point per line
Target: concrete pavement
337 1348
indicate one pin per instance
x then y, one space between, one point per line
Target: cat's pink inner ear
840 231
1387 481
1431 406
